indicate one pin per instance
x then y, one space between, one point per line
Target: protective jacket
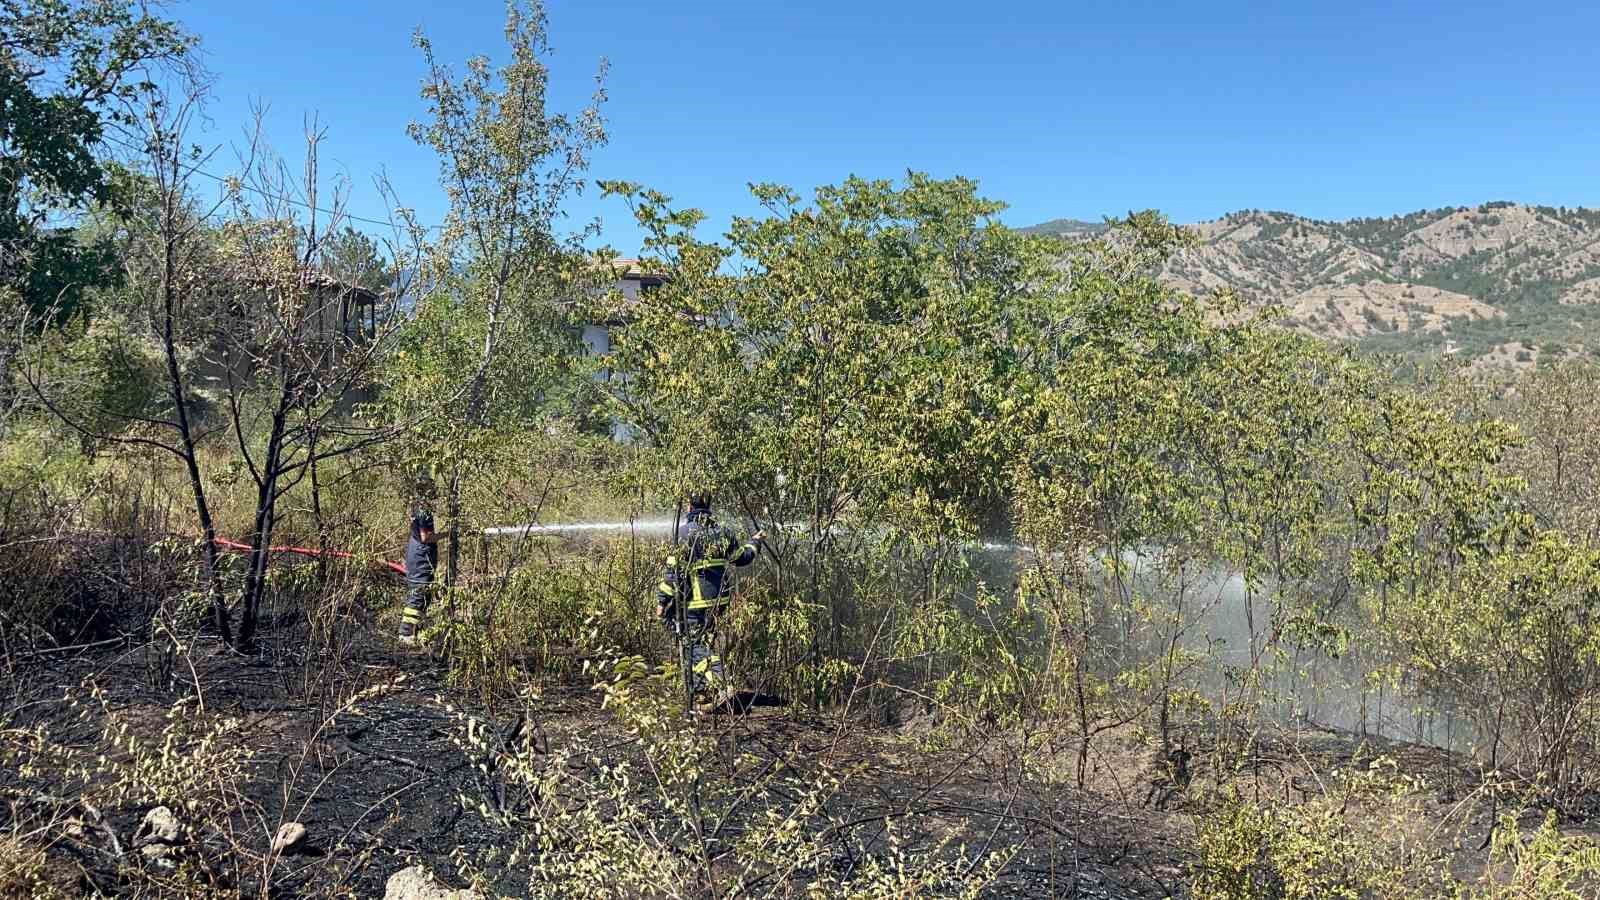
421 557
698 573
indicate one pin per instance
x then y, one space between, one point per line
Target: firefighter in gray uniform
697 575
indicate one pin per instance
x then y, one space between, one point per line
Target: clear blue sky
1060 109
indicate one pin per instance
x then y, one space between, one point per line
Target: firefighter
422 556
697 576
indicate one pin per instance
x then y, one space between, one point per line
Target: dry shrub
684 819
73 795
74 590
22 871
81 556
1541 864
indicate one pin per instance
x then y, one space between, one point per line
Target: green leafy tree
356 259
1556 410
841 364
70 72
171 265
495 343
1110 488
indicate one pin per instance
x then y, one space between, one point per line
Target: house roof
635 270
627 269
323 283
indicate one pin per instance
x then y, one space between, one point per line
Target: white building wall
597 338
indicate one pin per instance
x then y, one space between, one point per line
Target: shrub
1350 844
548 612
1543 865
677 825
81 536
22 872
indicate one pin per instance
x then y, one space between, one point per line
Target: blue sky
1060 109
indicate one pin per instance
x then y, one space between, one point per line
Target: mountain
1065 227
1498 283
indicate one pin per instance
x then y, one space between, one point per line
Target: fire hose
313 552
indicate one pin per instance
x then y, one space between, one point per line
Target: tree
355 259
251 332
69 72
1556 410
848 372
506 278
170 266
283 342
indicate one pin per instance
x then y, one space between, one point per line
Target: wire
300 203
303 204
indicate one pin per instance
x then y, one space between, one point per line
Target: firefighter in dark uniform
697 575
422 557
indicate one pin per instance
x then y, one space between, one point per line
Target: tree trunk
175 383
8 350
474 413
261 536
453 536
316 506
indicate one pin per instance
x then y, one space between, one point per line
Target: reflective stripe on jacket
698 572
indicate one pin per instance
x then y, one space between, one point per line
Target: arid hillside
1500 282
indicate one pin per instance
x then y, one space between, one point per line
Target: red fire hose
236 547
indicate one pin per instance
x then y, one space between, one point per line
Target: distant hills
1500 284
1067 227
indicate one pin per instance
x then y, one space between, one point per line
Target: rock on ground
416 883
289 837
159 834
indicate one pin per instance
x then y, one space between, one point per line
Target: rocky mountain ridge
1498 283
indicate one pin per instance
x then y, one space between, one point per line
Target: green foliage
67 70
675 824
1356 844
1555 410
546 615
1273 230
1253 851
1536 600
1544 865
858 366
846 354
107 375
355 259
1202 506
987 661
1382 233
494 345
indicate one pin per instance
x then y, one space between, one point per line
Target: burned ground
389 779
382 785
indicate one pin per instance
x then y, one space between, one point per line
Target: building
339 307
253 317
634 284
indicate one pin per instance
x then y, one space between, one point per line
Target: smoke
1215 615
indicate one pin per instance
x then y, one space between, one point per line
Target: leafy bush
1543 865
546 614
1353 844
